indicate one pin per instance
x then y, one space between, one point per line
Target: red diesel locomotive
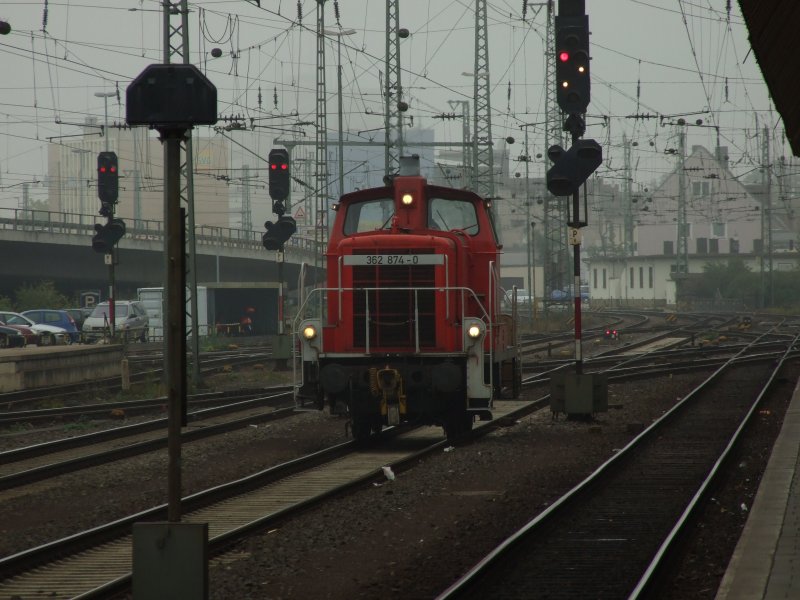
409 327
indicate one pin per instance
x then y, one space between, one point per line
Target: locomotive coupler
388 383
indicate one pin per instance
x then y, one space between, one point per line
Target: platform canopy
773 26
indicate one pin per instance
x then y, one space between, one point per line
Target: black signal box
171 97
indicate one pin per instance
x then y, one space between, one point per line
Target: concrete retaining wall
29 368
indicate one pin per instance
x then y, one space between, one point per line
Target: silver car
130 321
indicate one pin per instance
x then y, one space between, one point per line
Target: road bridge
42 245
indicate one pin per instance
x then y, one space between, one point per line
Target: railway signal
572 60
107 182
278 233
106 236
571 168
279 175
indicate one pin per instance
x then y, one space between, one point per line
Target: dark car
11 338
56 318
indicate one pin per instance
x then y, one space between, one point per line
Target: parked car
79 315
47 335
523 298
57 318
130 321
11 338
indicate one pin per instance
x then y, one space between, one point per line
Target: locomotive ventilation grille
396 316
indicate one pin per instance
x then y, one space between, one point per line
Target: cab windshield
369 215
448 214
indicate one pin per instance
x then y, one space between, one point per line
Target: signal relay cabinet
583 394
221 307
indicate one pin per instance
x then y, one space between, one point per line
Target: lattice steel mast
627 199
483 157
321 157
176 49
393 90
682 263
555 216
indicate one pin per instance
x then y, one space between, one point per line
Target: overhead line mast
555 234
321 157
393 90
482 149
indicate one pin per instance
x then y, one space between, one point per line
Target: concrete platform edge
750 568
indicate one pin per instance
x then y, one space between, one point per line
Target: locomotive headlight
309 332
474 331
407 199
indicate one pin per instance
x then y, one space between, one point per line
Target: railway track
67 455
57 457
96 563
375 473
611 535
133 407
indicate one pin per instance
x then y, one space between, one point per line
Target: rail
44 221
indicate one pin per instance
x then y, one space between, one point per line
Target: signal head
279 174
107 177
572 66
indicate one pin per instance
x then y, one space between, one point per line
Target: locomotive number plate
393 259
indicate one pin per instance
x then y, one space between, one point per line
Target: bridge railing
44 221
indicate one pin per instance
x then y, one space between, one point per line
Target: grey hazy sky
656 57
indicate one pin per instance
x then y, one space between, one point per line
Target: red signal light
113 169
102 169
284 167
563 56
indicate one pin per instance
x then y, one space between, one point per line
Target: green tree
6 304
785 288
40 295
731 279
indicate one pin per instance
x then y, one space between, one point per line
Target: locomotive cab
409 327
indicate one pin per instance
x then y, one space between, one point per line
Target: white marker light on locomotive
474 331
408 199
309 332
